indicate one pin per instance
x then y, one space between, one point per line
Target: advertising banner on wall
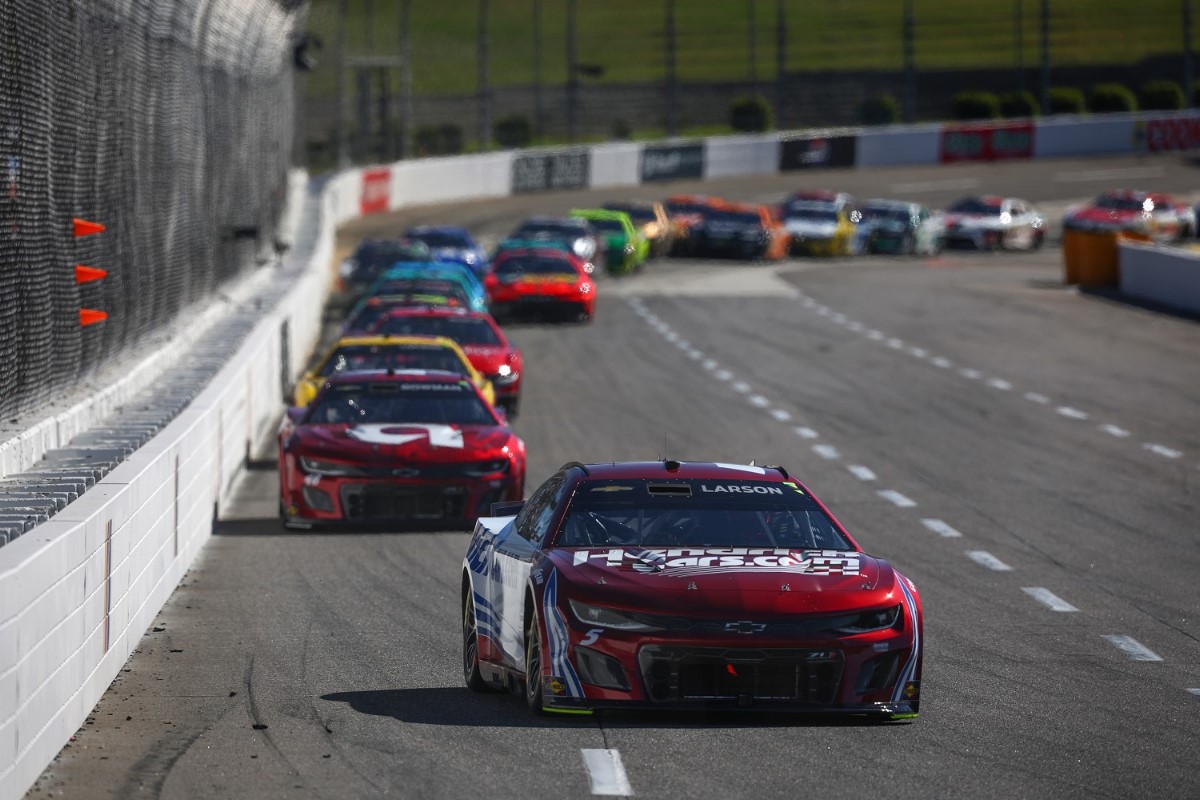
671 162
1167 134
376 194
817 152
987 142
545 171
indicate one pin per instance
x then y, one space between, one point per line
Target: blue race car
450 243
406 274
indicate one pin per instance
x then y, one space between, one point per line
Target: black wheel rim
470 640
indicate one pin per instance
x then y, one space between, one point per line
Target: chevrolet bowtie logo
745 626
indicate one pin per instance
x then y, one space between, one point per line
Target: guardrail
1164 276
77 592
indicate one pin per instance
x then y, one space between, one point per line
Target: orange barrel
1091 259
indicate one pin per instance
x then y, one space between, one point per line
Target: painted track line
606 772
827 451
985 559
1048 599
1115 430
1040 399
861 472
806 433
896 499
1132 648
1195 691
1162 450
1071 413
941 528
780 415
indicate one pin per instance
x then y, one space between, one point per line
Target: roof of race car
668 469
396 376
418 230
435 311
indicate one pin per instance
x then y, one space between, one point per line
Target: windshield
442 239
818 213
392 356
451 289
697 513
377 255
608 225
554 230
516 266
688 208
896 213
740 217
973 205
1124 203
464 330
398 402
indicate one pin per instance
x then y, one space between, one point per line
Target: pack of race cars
659 584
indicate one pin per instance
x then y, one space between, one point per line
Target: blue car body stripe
558 639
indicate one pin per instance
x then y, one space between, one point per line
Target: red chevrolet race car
488 350
406 446
686 586
542 281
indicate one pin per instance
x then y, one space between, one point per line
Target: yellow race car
357 353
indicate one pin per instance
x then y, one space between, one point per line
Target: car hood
728 581
402 442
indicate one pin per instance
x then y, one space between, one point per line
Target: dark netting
170 122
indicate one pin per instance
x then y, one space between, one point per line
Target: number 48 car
686 586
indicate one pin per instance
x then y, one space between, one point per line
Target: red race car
542 281
476 332
396 446
1155 214
686 585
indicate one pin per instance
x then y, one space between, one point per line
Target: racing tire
471 675
533 677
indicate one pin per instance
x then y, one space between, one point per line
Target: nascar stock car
479 336
822 223
361 353
543 281
898 226
1153 214
689 586
427 277
372 257
687 213
740 230
402 446
625 249
577 234
994 223
451 243
652 222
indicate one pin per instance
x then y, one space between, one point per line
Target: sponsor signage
376 191
671 162
542 172
1164 135
987 142
817 152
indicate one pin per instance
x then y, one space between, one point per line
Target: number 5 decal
592 636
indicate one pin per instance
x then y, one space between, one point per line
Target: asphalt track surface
986 429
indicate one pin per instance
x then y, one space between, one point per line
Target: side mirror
508 509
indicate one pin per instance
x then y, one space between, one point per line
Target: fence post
342 97
910 65
780 62
538 111
572 76
1188 74
406 93
1045 56
485 104
672 88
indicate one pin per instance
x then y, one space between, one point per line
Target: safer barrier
75 597
1164 276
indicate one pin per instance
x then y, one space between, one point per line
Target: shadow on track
458 706
271 526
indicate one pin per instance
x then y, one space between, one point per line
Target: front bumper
451 499
808 246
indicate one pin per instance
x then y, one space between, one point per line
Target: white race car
994 223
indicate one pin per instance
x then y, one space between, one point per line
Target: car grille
431 471
377 503
690 674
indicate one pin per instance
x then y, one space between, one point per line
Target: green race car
627 250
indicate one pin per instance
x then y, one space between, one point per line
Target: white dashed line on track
999 384
970 374
875 336
1132 648
780 415
1114 430
1034 397
1162 450
985 559
1048 599
1194 691
709 365
942 363
941 528
827 451
758 401
895 344
741 387
723 375
857 327
606 773
918 352
896 499
861 472
695 355
840 319
806 433
1071 413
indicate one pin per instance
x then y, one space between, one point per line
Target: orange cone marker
85 228
90 316
88 274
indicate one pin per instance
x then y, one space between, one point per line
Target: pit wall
77 592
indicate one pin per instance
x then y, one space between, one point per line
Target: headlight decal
910 666
558 639
317 466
